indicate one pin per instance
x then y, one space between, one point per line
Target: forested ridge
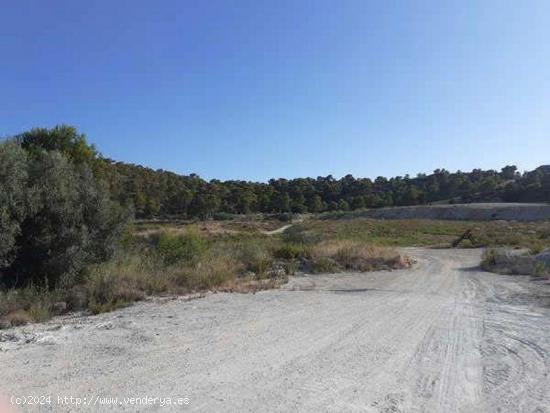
157 193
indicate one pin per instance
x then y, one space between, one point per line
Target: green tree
358 202
509 172
71 222
62 138
13 202
204 205
56 217
343 205
316 204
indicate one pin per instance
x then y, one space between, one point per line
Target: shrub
25 299
13 181
62 138
354 255
537 248
298 235
173 248
323 265
292 251
40 312
290 267
223 216
64 219
210 274
488 259
25 305
541 269
144 270
109 292
255 256
284 217
18 318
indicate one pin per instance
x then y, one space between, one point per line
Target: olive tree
55 217
13 182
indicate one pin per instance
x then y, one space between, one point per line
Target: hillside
161 193
155 193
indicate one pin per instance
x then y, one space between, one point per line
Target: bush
284 217
13 181
19 318
357 256
58 219
324 265
488 259
254 254
210 274
62 138
223 216
189 247
291 251
25 305
109 292
541 269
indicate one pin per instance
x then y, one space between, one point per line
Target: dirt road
443 337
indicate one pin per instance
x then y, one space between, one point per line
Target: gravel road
442 337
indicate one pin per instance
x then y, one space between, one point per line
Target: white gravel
443 337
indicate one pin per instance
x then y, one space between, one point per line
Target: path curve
279 230
443 336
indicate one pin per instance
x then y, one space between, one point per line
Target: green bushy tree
13 181
62 138
55 216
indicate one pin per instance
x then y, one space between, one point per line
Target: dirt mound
465 212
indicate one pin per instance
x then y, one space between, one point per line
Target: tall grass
355 256
431 233
187 261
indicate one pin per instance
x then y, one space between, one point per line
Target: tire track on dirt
443 336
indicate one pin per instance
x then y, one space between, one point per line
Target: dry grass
520 263
233 225
355 256
19 318
432 233
186 259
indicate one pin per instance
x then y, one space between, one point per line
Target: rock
512 262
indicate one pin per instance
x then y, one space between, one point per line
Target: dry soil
442 337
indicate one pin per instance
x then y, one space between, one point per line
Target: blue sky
260 89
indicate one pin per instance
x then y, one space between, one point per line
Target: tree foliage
56 217
13 208
161 193
59 199
61 138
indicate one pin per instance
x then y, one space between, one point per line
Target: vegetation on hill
534 236
55 217
66 243
158 193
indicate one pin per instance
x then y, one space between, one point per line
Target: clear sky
259 89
